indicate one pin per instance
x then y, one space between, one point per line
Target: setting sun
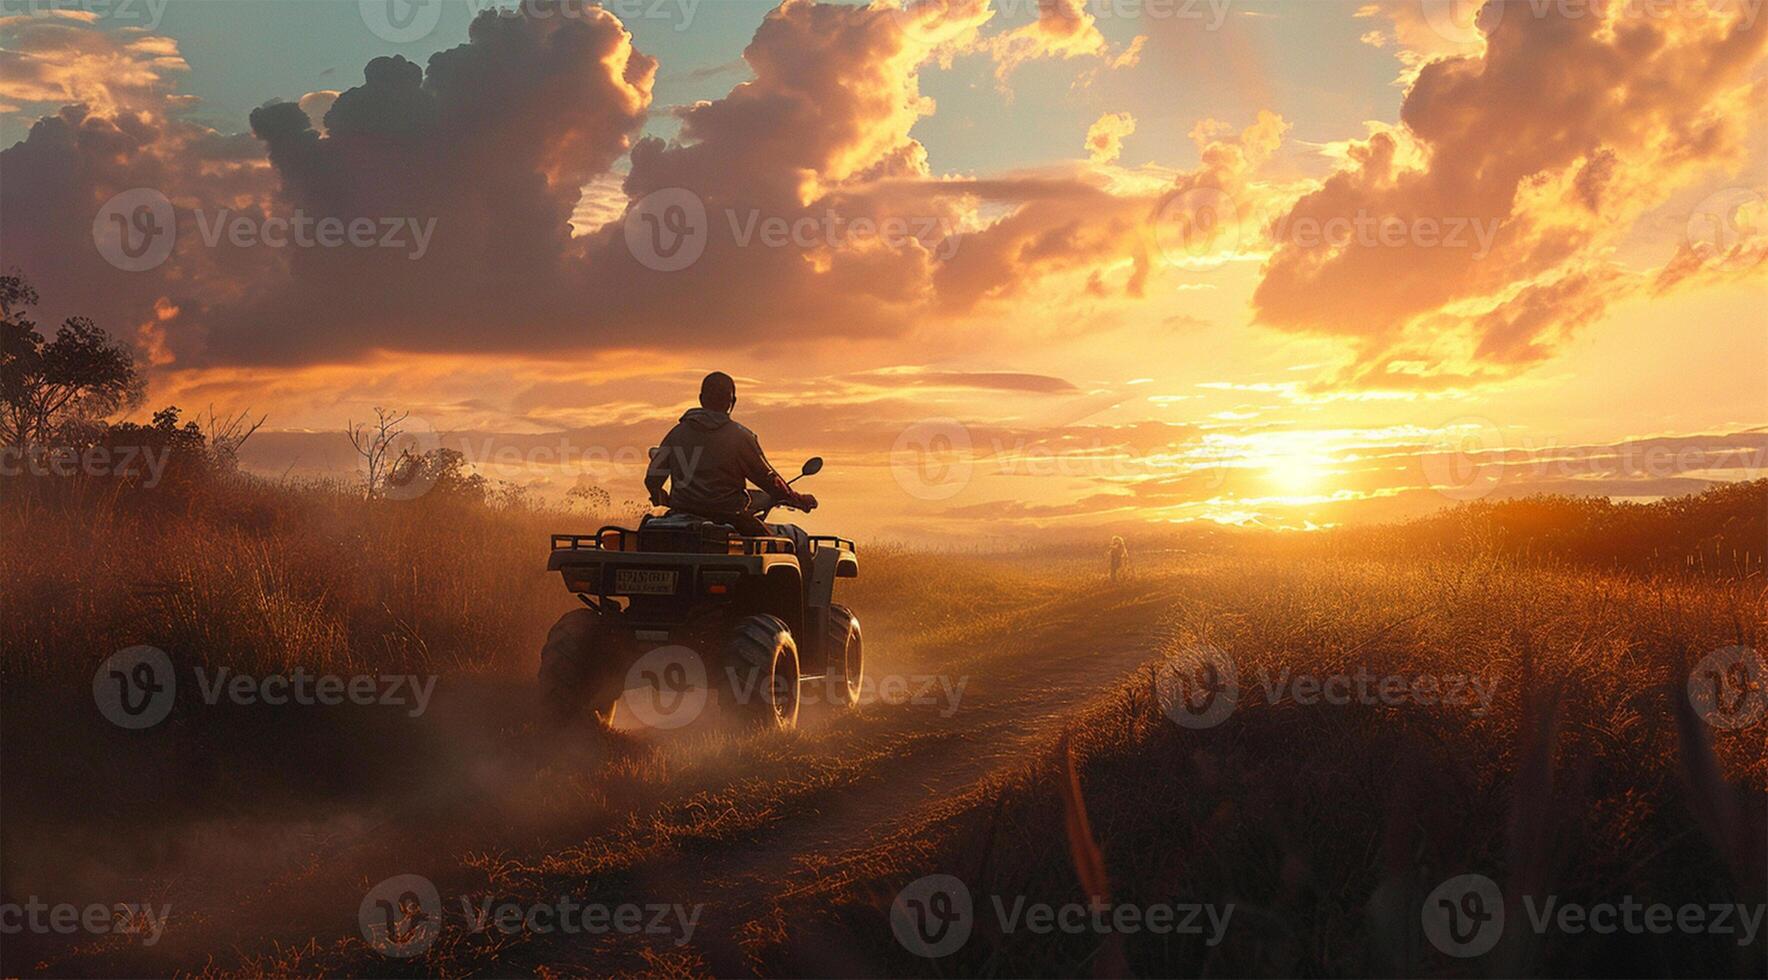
1299 474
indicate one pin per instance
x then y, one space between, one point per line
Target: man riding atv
706 460
706 596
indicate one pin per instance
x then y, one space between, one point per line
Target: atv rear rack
612 537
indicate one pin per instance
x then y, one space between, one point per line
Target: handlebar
763 502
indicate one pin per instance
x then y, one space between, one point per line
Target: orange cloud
125 130
58 58
1545 148
1063 30
1105 137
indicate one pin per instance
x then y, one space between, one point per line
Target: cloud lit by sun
1102 295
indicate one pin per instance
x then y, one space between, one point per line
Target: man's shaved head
718 392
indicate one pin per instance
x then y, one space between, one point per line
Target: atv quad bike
758 612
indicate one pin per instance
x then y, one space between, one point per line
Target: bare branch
373 443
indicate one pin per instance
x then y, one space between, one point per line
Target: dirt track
489 812
1017 699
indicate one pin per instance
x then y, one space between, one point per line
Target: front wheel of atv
761 668
847 665
575 667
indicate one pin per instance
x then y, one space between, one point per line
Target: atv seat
681 533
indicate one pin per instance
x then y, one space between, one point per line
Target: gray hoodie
707 458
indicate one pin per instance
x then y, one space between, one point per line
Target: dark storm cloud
488 149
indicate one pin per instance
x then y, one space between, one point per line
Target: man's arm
761 473
658 471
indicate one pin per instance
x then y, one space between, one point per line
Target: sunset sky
1005 264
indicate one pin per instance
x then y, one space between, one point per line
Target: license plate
644 581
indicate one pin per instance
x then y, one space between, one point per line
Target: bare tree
226 434
373 441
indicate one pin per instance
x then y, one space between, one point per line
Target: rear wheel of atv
761 666
841 637
575 667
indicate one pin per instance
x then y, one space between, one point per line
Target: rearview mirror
812 466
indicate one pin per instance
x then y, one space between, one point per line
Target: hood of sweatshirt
705 418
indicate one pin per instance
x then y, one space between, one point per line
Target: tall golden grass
265 577
1589 778
1721 532
262 576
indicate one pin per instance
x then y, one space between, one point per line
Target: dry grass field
1027 746
1585 776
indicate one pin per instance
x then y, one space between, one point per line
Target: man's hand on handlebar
761 503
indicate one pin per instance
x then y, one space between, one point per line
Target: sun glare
1297 473
1294 464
